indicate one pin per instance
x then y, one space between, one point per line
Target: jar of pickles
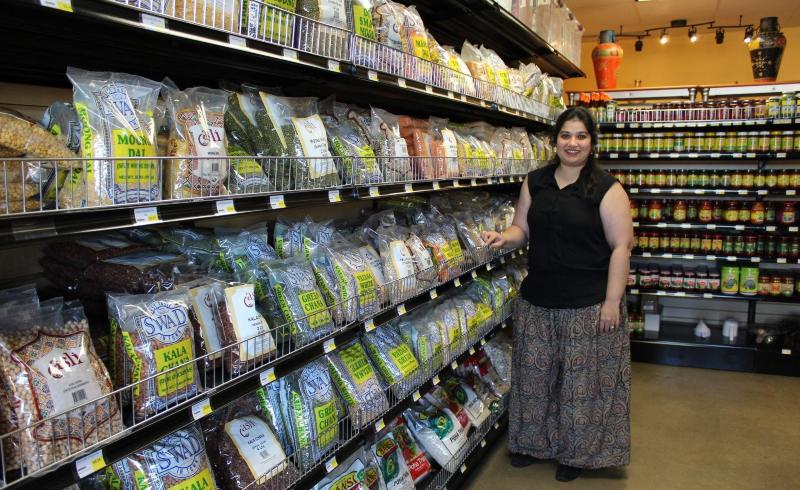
678 142
741 141
636 144
788 104
730 142
787 141
763 141
719 141
775 140
752 141
649 144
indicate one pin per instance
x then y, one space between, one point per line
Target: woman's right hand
493 239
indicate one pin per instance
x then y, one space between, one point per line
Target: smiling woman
571 359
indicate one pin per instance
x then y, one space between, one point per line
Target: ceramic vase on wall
766 50
606 58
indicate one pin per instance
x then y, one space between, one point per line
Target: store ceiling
596 15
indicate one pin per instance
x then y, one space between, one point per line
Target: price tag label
737 155
331 464
434 294
676 191
401 310
463 468
436 379
497 425
781 260
429 89
483 443
374 192
791 192
793 229
502 180
290 54
680 293
661 225
654 155
416 396
372 75
472 351
225 207
473 182
369 325
334 65
457 282
688 256
89 464
65 5
730 258
700 191
401 82
277 202
647 125
780 155
694 155
463 97
673 155
716 155
409 188
646 254
708 295
634 190
456 183
750 155
635 224
763 192
686 225
153 22
658 125
144 216
450 95
739 227
502 260
436 185
329 346
633 156
742 192
489 267
334 196
786 352
201 409
266 377
454 365
755 259
655 191
482 102
474 275
633 125
237 41
380 425
667 255
483 341
634 291
711 227
720 192
620 125
711 257
771 228
661 293
613 156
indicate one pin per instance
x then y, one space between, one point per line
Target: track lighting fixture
664 39
719 37
639 44
693 34
748 35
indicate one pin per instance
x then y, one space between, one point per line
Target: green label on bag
303 435
404 359
362 23
356 363
368 157
314 308
327 423
341 277
482 313
365 287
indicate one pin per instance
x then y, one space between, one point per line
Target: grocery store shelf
178 416
485 22
635 192
716 226
39 43
709 156
24 227
748 123
715 258
709 295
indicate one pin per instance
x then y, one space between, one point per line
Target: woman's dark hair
582 115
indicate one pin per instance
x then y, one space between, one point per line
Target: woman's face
573 144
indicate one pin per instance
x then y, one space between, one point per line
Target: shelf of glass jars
726 227
704 155
702 256
643 192
793 298
709 182
754 123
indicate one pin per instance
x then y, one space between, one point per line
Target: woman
571 363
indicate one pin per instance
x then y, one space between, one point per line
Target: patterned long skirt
570 387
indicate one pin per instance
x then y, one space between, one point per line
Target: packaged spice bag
198 131
392 464
393 357
462 394
444 149
418 141
313 412
388 19
414 456
390 146
328 36
157 336
423 334
220 14
243 448
244 329
50 371
296 302
352 474
439 431
357 383
346 141
269 20
455 328
178 461
116 113
204 297
437 397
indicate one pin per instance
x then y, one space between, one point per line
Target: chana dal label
326 423
404 359
314 307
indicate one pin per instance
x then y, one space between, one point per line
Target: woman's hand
609 316
493 239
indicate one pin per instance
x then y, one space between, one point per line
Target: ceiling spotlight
664 38
693 34
638 45
719 36
748 34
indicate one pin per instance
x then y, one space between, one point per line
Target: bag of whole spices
390 146
414 456
351 474
116 112
439 431
357 383
244 329
197 136
244 450
157 337
50 371
393 357
421 331
391 462
313 412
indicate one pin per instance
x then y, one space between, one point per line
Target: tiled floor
691 429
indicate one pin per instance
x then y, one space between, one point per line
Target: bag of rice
178 461
390 146
116 113
398 263
296 302
244 450
439 431
393 357
392 463
357 383
157 336
198 131
328 36
417 463
313 412
49 370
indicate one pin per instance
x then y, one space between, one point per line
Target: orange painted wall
680 62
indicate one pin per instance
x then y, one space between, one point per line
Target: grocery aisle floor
691 429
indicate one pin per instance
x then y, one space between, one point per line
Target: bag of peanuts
157 337
58 388
197 116
116 112
178 461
